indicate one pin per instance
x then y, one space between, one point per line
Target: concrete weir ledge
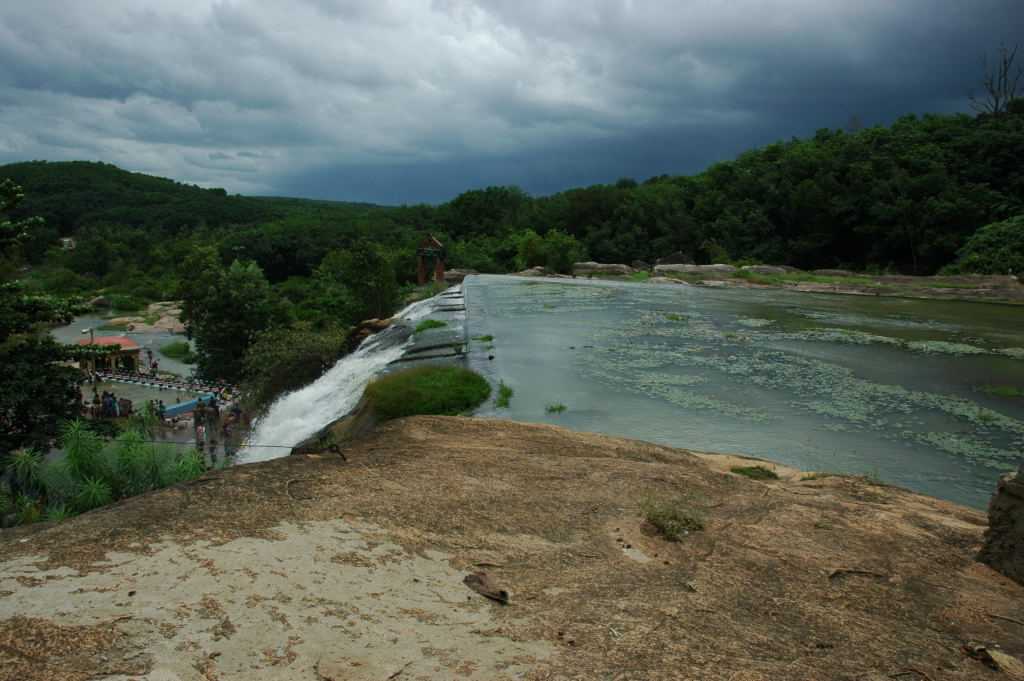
444 345
441 345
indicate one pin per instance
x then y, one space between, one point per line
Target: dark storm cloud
415 101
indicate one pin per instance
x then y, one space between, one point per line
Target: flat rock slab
321 600
432 353
436 338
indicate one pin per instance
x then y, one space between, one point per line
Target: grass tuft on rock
428 324
484 339
755 472
504 395
555 408
427 390
673 519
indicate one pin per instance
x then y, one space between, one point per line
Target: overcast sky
397 101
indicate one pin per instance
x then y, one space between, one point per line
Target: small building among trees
111 352
430 257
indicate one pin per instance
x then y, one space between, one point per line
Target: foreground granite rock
1004 539
313 567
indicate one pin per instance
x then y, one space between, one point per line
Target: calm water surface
882 386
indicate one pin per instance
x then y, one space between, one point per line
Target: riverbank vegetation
444 390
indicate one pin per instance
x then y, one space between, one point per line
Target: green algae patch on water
754 323
946 348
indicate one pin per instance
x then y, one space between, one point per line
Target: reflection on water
891 387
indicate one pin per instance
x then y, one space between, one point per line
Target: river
894 388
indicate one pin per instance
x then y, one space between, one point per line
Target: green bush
555 408
428 324
673 519
427 390
755 472
997 248
179 350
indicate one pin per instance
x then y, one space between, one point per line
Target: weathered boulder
834 273
677 258
99 302
583 269
667 280
640 265
456 276
1003 550
537 271
364 330
170 323
694 269
764 269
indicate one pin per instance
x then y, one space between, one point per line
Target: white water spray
302 413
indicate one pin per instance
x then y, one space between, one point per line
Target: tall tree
37 392
225 309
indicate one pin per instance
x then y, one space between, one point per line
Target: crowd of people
107 405
213 427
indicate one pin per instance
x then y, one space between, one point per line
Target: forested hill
904 198
70 195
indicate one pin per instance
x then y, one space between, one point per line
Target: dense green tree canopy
225 308
36 391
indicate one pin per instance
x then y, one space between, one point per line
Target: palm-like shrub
82 447
25 465
94 472
93 494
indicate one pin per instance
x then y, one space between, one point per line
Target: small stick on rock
910 670
399 672
839 572
1004 618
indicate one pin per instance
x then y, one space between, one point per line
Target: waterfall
297 415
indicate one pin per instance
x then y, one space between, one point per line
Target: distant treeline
902 198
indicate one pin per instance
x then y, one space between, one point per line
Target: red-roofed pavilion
126 355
